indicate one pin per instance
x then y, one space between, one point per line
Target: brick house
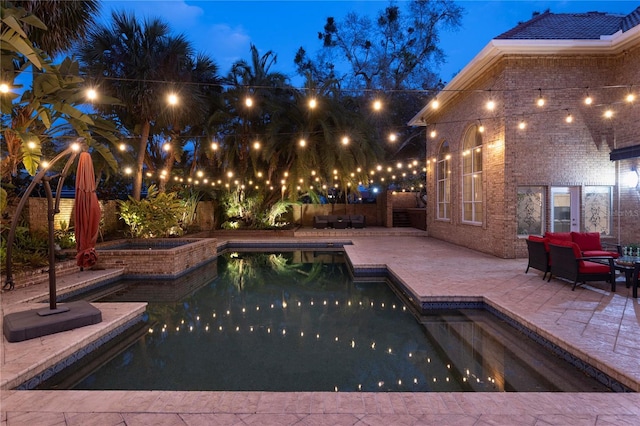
539 132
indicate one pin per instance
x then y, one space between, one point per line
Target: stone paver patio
601 328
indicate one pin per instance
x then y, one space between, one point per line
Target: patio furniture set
581 257
339 221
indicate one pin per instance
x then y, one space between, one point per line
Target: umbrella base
58 310
25 325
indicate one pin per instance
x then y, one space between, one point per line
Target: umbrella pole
51 212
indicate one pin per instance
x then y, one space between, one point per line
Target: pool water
296 321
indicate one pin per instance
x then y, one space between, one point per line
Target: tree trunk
142 151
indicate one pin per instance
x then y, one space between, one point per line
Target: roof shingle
572 26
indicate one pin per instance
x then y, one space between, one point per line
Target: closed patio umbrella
87 213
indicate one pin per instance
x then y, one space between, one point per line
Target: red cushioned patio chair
538 255
567 262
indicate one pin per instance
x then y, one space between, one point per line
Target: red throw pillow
587 240
564 236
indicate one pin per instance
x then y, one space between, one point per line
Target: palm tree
66 22
135 62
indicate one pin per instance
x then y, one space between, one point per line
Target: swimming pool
297 321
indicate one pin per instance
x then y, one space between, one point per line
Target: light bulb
588 100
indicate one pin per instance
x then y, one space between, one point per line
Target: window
472 207
597 209
443 173
530 213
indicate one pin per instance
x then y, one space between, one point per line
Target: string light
92 95
522 125
491 105
540 101
608 113
588 100
569 118
248 101
630 97
172 99
312 103
4 88
435 103
377 105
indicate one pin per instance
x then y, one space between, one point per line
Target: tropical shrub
65 237
158 215
251 211
30 250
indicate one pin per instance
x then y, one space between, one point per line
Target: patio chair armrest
609 259
612 247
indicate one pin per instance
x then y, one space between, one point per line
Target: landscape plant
157 215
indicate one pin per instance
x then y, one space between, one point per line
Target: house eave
496 49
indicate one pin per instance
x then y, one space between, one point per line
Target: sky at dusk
225 29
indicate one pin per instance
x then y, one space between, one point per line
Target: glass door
565 209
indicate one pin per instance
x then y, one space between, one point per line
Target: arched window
472 207
443 179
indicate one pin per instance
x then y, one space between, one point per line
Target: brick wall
36 214
549 152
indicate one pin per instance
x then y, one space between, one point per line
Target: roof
546 34
571 26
